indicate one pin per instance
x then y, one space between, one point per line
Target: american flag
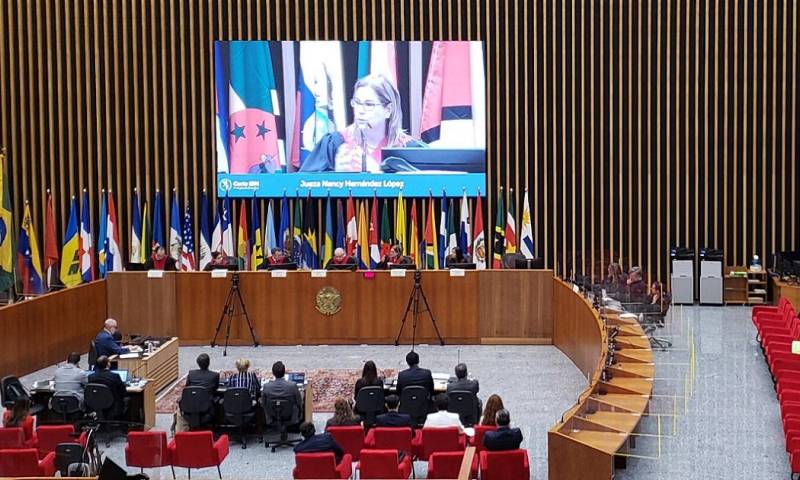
187 252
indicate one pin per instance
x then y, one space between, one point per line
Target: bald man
340 258
104 343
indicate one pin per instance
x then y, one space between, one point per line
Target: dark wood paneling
577 330
516 305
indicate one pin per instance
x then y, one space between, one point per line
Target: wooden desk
785 289
161 367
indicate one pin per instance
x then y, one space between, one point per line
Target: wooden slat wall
633 125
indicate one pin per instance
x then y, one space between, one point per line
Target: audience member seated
414 375
281 388
504 438
245 379
369 378
394 257
393 418
635 288
277 257
159 260
659 296
443 418
342 415
463 383
493 404
323 442
104 376
457 257
615 279
340 258
70 379
20 416
104 342
203 377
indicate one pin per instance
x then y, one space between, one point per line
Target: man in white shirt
442 418
70 379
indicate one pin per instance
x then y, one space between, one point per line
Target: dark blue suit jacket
415 376
322 442
503 439
393 419
104 344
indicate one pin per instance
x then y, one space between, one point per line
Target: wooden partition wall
634 126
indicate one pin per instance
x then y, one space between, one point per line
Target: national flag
285 232
320 90
414 248
6 230
400 223
386 230
479 239
270 240
297 233
352 227
70 273
327 248
511 225
443 240
187 248
249 136
50 242
452 232
102 236
29 263
374 248
87 247
136 230
499 247
451 116
144 253
158 223
526 234
243 243
310 244
464 227
341 237
175 242
227 228
431 239
363 236
113 249
256 236
205 234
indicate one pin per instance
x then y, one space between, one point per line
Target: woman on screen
378 120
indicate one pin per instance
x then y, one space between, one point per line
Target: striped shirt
248 380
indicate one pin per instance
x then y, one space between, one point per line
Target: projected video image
340 118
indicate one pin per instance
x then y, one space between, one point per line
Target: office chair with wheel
280 409
239 410
99 399
12 389
465 404
68 406
196 407
369 403
414 400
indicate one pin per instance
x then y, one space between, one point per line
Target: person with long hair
493 404
369 378
378 123
20 416
343 415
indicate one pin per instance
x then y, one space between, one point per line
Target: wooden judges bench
489 307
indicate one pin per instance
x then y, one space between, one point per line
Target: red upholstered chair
477 442
761 310
12 437
383 464
198 450
148 450
51 435
505 465
322 465
351 439
27 427
438 439
445 464
26 463
396 438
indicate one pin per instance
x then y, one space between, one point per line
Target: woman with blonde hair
493 404
343 415
245 379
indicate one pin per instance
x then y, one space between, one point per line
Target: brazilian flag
6 231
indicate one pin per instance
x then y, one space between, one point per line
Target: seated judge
281 388
104 343
394 257
159 260
340 257
505 437
277 257
457 256
393 418
218 261
323 442
104 376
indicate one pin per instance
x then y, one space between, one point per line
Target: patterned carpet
329 384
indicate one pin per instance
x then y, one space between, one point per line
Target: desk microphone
362 127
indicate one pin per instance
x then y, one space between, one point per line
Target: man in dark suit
203 377
281 388
392 418
414 375
324 442
104 376
504 438
463 383
104 343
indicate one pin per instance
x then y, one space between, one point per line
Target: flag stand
229 311
414 307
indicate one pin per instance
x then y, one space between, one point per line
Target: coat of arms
329 301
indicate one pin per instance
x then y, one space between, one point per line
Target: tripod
414 307
229 311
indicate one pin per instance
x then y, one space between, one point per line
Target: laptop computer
122 374
414 159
